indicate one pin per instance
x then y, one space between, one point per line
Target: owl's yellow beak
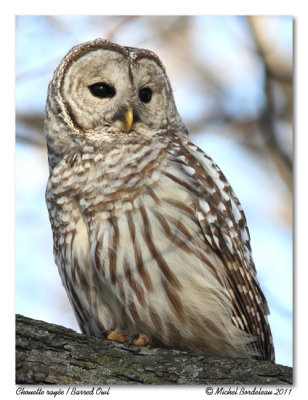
129 118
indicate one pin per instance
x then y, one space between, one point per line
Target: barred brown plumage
149 236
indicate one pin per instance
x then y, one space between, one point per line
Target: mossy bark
51 354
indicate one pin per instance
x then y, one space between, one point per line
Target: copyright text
242 391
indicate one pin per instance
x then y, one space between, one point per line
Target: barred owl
149 237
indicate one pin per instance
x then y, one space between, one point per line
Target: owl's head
101 89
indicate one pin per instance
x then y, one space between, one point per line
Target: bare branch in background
30 129
126 20
276 73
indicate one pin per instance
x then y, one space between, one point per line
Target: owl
150 240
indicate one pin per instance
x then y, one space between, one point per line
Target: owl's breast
109 182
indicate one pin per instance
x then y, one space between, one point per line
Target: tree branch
51 354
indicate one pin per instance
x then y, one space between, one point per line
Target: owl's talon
139 340
117 337
132 338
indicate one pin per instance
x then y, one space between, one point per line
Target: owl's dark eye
145 95
102 90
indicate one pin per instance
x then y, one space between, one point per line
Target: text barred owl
148 235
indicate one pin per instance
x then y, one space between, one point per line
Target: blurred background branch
278 78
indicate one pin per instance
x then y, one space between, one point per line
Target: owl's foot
117 337
136 339
139 340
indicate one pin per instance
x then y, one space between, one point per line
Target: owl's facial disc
153 102
95 89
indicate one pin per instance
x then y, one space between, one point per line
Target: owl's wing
225 230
